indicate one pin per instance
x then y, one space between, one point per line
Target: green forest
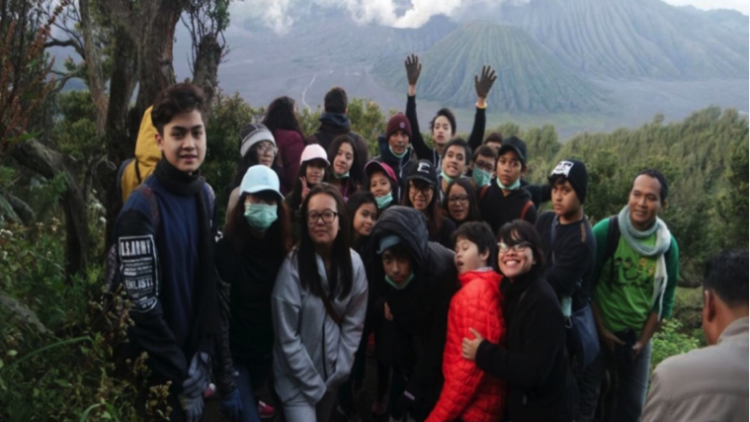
59 151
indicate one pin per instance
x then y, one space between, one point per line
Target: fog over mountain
580 64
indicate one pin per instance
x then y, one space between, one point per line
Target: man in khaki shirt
710 384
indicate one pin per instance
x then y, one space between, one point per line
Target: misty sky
741 5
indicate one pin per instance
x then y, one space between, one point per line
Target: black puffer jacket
420 311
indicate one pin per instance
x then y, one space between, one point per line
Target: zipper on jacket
325 369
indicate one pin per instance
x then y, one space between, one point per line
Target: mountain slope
529 78
634 38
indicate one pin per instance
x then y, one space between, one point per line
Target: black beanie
575 172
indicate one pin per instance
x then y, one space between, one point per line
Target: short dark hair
336 100
480 234
399 250
726 274
522 231
494 137
174 100
656 174
463 144
485 151
448 115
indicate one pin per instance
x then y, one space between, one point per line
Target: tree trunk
155 54
93 68
120 143
48 163
206 66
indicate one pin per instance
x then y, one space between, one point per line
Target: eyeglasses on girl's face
327 216
454 199
503 247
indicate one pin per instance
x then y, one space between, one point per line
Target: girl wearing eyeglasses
421 194
534 363
460 202
318 308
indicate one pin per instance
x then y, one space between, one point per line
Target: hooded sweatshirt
497 209
333 125
469 394
420 311
311 353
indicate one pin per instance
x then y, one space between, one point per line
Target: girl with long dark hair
460 203
318 308
346 172
248 257
281 120
421 194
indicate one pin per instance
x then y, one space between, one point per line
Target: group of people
435 262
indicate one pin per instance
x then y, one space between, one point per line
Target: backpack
525 209
133 171
613 239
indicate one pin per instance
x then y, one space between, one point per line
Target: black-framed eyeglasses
424 189
458 198
517 247
327 216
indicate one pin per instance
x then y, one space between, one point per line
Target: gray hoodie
311 354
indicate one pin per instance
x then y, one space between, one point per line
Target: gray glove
484 84
198 376
193 407
413 69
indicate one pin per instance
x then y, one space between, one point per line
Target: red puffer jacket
468 393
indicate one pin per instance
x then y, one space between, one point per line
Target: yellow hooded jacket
147 155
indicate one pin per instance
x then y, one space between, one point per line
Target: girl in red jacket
468 394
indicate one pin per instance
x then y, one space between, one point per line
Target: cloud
739 5
279 15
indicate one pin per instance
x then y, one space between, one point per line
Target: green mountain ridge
636 38
530 79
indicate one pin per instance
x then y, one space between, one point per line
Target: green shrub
670 341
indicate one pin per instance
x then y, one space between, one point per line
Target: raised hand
305 188
484 83
413 69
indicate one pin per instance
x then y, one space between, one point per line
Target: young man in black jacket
335 121
504 200
417 282
570 249
165 239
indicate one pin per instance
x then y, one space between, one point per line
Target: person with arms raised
443 125
318 307
710 383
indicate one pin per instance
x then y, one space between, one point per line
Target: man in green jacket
635 276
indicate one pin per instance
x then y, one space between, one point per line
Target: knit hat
514 144
260 178
575 172
313 152
396 123
423 170
253 133
374 166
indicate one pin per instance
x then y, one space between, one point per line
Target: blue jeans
249 406
630 383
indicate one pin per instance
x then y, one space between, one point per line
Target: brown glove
413 69
484 84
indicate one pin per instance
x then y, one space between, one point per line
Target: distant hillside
529 77
636 38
